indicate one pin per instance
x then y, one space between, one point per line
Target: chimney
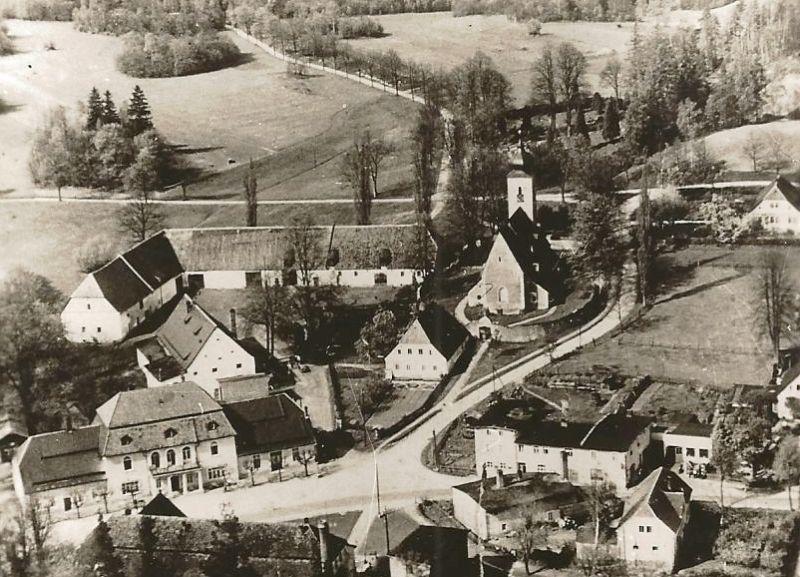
324 558
233 323
188 305
564 422
500 480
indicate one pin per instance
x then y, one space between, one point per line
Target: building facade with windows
688 443
121 294
610 449
191 345
172 439
778 207
429 348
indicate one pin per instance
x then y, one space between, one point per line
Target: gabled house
429 348
787 397
778 207
118 296
183 546
610 449
651 528
172 439
272 434
492 508
521 272
191 345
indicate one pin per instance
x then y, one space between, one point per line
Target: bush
362 27
39 9
162 55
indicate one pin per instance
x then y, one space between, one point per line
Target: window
503 527
214 369
141 305
256 461
67 503
126 440
238 365
704 453
295 453
502 295
187 453
689 451
409 351
545 451
127 464
420 351
155 460
130 487
649 529
88 306
540 468
212 426
641 528
678 450
83 329
214 449
635 547
170 433
99 330
216 473
655 547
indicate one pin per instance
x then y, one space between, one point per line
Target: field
47 237
220 119
701 330
730 144
443 41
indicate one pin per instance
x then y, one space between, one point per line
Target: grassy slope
701 330
730 144
251 110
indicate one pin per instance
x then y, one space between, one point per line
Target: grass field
221 119
702 329
730 144
46 238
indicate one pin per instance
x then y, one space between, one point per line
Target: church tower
521 194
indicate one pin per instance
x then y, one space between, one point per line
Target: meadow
220 119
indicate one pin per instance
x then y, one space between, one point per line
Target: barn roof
269 424
443 330
269 248
662 494
783 187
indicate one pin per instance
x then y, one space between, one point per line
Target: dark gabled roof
60 459
266 248
161 506
538 491
662 494
789 191
134 274
692 430
185 332
244 388
401 526
615 432
518 173
444 549
443 329
531 249
120 285
183 543
269 423
789 376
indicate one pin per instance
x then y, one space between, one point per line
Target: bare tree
774 299
611 75
544 85
139 217
357 170
377 150
753 146
266 304
428 140
251 195
306 248
776 143
531 536
571 67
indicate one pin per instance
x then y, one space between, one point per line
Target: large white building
112 300
172 439
118 296
778 208
191 345
509 439
429 348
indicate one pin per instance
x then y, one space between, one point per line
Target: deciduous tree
251 195
378 336
530 536
775 307
787 464
611 75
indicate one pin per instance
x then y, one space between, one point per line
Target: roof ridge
592 429
136 272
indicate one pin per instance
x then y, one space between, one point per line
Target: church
521 272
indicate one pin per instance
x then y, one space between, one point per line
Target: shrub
39 9
162 55
362 27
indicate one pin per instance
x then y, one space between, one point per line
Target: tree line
549 10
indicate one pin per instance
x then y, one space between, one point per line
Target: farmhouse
492 509
787 398
172 439
653 520
688 443
430 347
610 449
192 345
117 297
184 545
272 433
520 272
778 207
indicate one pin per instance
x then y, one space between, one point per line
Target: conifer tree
95 109
580 122
108 563
251 195
611 120
139 115
110 115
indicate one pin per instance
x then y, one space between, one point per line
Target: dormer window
126 440
212 426
170 433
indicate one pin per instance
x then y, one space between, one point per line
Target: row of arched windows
155 458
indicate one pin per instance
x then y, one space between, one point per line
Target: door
276 460
196 282
175 483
